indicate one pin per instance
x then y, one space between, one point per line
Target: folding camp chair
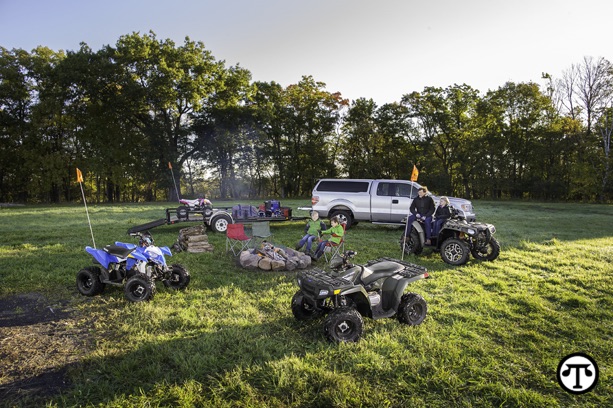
260 232
236 239
331 250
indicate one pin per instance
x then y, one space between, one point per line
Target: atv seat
118 251
380 270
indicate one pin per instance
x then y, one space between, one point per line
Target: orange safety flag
169 166
414 174
79 176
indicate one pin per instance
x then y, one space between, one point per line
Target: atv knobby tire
455 252
344 325
301 309
412 244
88 281
179 277
489 253
139 288
182 212
412 309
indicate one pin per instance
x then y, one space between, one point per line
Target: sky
379 49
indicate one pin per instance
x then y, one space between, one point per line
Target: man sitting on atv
421 209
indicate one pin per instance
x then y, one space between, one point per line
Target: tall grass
494 334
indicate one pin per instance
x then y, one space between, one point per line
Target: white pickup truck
377 201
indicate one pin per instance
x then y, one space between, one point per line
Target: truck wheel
88 281
139 288
412 309
179 277
343 216
489 252
411 245
344 325
301 309
219 223
454 251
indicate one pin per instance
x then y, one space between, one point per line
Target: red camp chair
236 239
331 250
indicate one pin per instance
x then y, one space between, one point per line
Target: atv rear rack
410 269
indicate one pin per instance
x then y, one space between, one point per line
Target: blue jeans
438 224
427 225
321 247
308 240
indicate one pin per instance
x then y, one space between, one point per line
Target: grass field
494 334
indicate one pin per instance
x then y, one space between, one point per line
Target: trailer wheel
219 223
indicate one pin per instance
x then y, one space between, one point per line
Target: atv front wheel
139 288
454 251
179 277
487 253
344 325
301 309
88 281
412 309
411 244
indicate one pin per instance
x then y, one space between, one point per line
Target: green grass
494 334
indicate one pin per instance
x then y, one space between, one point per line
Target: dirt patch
39 340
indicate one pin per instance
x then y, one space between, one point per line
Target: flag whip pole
174 181
414 175
80 180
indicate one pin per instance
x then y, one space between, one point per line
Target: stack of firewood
193 239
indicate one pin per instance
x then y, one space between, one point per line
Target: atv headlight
471 231
323 292
492 229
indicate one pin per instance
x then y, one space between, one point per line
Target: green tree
299 126
161 86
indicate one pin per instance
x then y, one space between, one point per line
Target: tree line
135 115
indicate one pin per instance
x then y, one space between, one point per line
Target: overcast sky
379 49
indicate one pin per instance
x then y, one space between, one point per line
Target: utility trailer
217 219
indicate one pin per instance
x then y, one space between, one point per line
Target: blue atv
136 268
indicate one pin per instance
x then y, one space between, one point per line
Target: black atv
350 291
456 240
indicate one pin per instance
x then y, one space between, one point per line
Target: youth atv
373 290
136 268
456 240
200 205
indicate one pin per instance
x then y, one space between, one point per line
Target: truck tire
219 223
344 216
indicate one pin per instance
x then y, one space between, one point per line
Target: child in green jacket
311 230
336 236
